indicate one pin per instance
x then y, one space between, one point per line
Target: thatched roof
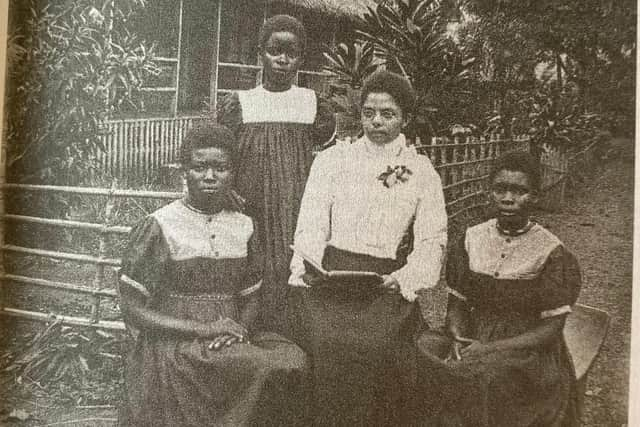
338 8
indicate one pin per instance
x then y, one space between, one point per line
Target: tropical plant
589 43
72 64
348 65
561 121
71 360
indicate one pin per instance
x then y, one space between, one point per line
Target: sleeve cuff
456 294
407 292
248 291
296 280
297 271
555 312
135 285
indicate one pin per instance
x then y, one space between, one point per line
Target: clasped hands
467 348
225 332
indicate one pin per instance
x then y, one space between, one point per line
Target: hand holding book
316 275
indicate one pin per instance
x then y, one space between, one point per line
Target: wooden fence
463 165
559 166
97 290
134 149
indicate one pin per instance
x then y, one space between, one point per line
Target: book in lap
343 276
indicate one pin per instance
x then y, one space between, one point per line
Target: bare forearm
150 320
457 317
249 311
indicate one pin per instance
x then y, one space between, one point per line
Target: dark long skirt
175 382
360 343
534 388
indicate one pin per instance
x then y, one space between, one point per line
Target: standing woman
190 286
360 202
277 125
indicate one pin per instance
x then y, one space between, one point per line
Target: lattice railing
463 164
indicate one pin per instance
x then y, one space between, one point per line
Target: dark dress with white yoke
510 283
277 134
197 266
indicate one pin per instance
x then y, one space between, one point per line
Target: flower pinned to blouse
398 173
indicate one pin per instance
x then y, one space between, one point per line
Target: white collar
261 88
391 149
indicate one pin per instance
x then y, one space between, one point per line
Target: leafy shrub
408 37
71 64
83 366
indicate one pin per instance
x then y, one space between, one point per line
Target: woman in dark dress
360 202
278 125
189 287
502 359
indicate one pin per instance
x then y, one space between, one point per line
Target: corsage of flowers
394 174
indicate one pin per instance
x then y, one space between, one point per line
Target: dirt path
597 225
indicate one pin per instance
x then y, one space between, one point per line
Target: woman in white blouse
361 201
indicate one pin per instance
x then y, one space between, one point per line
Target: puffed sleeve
314 219
229 112
560 282
457 270
424 263
255 264
324 126
145 259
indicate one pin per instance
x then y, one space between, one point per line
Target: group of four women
233 328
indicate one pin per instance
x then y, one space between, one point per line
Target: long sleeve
424 263
313 228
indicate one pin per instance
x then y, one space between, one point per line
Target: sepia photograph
318 213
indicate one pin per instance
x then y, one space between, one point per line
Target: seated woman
359 203
190 287
502 359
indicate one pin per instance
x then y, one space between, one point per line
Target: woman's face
382 118
512 197
281 58
209 176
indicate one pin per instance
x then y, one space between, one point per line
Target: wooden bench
584 333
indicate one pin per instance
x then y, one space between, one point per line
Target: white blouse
345 205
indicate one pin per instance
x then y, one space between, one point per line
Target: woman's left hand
390 283
476 349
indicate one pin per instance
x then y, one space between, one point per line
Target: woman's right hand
225 340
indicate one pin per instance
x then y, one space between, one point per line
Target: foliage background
71 63
552 68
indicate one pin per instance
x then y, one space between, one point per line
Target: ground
596 223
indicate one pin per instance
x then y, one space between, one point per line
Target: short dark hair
400 89
283 23
208 135
518 161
